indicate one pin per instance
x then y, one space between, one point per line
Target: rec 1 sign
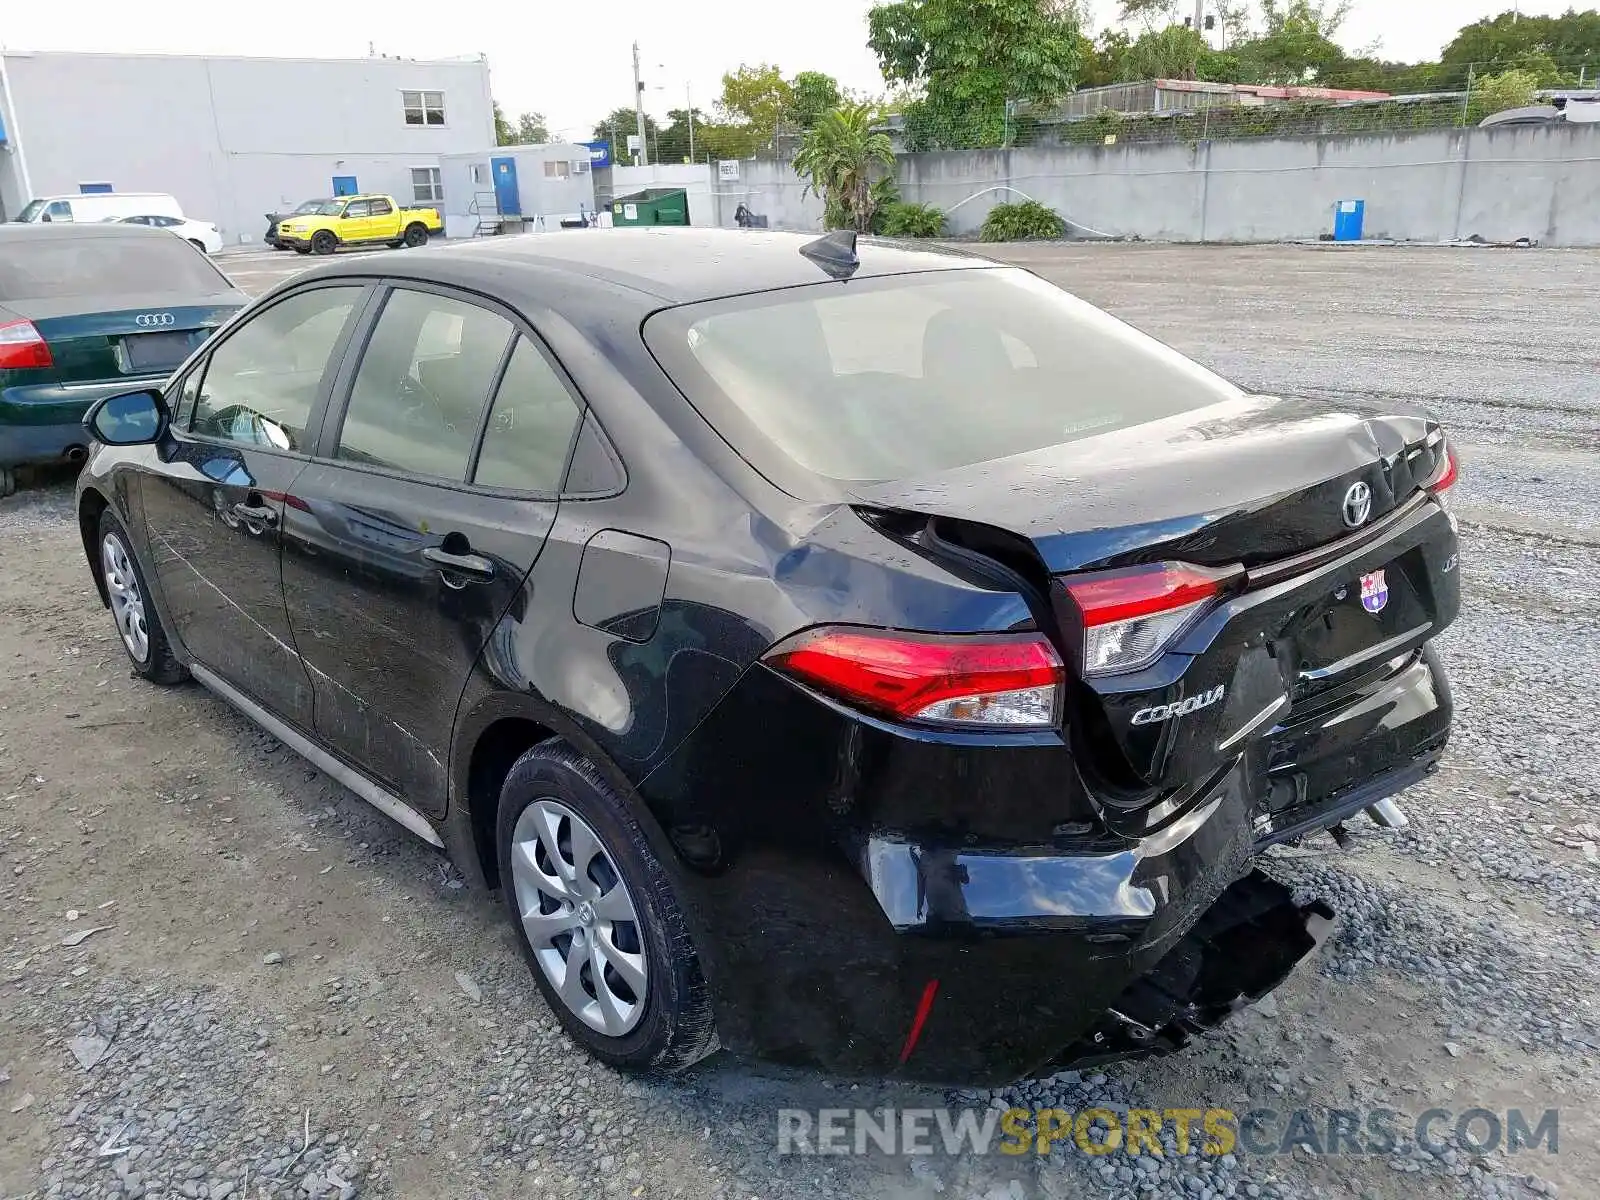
728 170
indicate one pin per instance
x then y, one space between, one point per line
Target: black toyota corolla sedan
858 656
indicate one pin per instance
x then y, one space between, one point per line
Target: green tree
1508 41
837 159
970 57
531 129
504 134
1509 89
1296 45
811 93
1170 53
755 96
615 127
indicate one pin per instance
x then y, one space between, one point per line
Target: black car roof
674 265
16 231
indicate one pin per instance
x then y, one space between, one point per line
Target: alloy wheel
579 917
127 599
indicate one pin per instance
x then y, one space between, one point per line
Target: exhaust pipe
76 455
1386 813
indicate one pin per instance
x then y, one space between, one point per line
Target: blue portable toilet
1348 218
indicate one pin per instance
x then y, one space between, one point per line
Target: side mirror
128 419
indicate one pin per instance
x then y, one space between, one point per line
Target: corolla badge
1374 592
1179 708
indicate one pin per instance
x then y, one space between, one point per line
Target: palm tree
836 159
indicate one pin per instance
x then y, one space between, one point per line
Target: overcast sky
572 61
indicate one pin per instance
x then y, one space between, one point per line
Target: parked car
98 206
202 235
88 311
864 657
305 207
359 221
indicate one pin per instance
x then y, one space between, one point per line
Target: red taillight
1130 616
983 680
1447 476
22 347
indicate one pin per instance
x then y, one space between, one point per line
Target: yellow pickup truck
358 221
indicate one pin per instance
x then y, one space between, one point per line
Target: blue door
345 185
92 189
506 196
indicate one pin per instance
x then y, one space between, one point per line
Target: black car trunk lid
131 336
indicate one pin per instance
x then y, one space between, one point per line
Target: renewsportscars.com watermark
1208 1131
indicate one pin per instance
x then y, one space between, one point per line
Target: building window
480 173
581 167
423 108
557 170
425 185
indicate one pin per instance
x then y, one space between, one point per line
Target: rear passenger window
530 426
422 384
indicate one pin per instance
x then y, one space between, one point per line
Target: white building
235 138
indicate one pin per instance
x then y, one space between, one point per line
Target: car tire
140 626
416 235
8 482
549 793
323 241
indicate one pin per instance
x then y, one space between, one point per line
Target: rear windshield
59 268
900 377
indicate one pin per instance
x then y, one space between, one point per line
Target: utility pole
638 108
688 95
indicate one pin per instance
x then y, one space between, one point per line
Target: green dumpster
653 206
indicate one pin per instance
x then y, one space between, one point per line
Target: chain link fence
1187 111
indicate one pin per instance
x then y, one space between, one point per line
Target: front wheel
596 916
133 608
416 235
324 242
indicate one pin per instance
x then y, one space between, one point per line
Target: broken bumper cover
971 965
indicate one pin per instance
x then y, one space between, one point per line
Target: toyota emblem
1357 505
154 320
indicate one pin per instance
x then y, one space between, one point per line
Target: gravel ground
284 995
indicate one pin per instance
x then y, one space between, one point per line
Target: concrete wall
232 138
1540 182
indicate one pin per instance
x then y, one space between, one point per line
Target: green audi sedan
90 310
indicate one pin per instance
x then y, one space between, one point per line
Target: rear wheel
324 242
595 913
8 481
416 234
134 608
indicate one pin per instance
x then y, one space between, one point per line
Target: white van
100 206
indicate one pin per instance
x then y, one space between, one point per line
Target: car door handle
257 512
473 566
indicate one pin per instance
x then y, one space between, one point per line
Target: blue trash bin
1348 218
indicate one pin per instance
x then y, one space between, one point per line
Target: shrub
910 220
1018 222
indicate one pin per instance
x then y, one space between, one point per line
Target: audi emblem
1357 505
154 320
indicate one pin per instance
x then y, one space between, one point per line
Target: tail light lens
22 347
1441 483
984 681
1129 617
